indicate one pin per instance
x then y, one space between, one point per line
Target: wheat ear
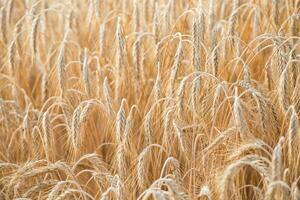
120 58
283 90
277 161
86 73
157 85
175 68
108 98
292 134
120 122
61 64
35 24
3 24
239 116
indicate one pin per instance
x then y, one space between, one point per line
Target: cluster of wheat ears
149 99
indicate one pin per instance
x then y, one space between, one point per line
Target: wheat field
149 99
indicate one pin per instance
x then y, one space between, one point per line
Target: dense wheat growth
149 99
